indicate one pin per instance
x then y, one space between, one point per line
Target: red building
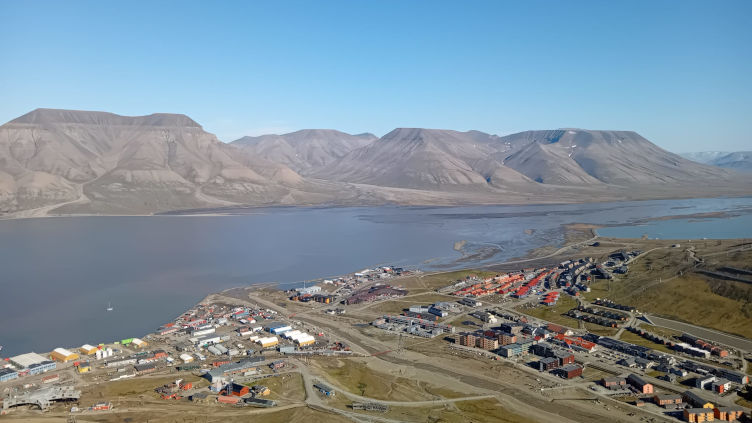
236 390
468 339
570 371
507 338
614 382
487 343
640 384
228 400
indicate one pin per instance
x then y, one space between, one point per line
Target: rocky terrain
78 162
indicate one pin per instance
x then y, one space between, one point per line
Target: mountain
56 162
97 162
738 160
449 160
306 150
427 159
622 158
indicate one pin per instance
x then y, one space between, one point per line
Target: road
509 392
710 334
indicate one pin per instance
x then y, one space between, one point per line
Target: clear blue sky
679 72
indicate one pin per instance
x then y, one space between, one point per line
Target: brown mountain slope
77 162
615 157
118 164
306 150
430 159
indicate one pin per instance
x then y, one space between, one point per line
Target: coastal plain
435 379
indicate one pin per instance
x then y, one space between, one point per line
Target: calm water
57 275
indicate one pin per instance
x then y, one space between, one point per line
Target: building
236 390
671 378
564 357
280 329
640 384
8 374
554 328
694 399
468 339
487 343
698 415
548 364
268 342
309 290
570 371
139 343
227 370
704 382
667 399
728 414
51 378
145 368
39 368
324 389
512 328
224 399
87 349
159 354
720 386
84 367
732 375
63 355
305 340
614 382
260 390
23 361
277 364
506 338
259 402
511 350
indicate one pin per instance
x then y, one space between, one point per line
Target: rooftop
26 360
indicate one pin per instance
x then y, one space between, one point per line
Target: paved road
713 335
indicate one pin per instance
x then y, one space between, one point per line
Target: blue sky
678 72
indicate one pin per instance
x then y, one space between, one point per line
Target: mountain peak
85 117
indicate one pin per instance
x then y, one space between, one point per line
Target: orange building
698 415
728 414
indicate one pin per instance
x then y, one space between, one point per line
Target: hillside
80 162
738 160
530 160
95 162
429 159
306 150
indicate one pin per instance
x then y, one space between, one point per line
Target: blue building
39 368
8 374
324 389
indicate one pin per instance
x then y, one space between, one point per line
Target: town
248 349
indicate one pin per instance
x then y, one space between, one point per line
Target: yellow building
305 341
268 341
139 343
87 349
61 354
84 367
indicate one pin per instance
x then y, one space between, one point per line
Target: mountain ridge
736 160
56 162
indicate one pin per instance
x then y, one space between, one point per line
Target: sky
678 72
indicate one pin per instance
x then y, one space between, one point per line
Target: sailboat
109 307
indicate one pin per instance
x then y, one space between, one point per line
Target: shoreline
254 209
588 231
